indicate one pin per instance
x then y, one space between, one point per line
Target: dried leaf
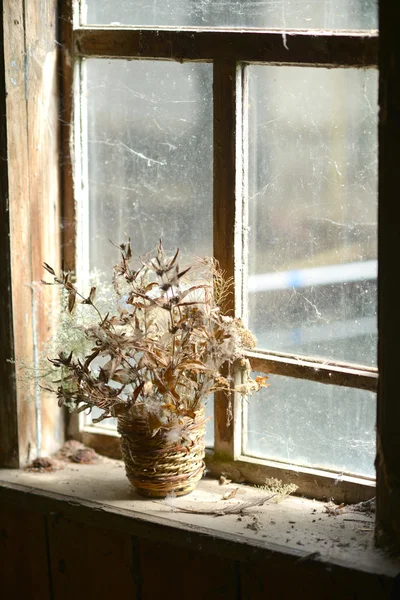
71 300
124 377
229 494
49 269
137 391
91 357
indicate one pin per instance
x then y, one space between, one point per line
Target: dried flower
159 349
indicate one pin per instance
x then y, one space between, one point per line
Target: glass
286 14
149 128
149 140
312 424
312 198
209 414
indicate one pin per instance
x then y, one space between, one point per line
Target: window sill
312 483
295 530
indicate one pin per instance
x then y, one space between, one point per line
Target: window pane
150 157
286 14
312 424
312 194
209 434
149 138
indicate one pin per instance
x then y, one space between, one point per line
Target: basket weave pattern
157 468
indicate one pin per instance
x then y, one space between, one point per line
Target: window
275 129
255 68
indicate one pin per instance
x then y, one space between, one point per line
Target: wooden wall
48 555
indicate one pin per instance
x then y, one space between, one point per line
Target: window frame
23 27
229 51
30 424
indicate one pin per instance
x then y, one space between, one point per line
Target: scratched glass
149 157
312 424
286 14
312 197
149 161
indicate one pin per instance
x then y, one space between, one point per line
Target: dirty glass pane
312 195
286 14
209 435
149 152
312 424
149 157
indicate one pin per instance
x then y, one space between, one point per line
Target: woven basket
157 468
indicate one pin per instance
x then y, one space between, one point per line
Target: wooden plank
89 562
8 412
301 368
23 554
348 49
30 57
19 410
388 417
224 217
185 573
269 579
222 536
44 192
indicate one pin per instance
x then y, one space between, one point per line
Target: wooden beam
30 199
302 368
18 427
44 192
8 412
293 47
388 416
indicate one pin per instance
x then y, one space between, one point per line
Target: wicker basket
157 468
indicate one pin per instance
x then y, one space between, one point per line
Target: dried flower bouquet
153 362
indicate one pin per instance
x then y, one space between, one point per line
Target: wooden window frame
29 219
229 50
225 48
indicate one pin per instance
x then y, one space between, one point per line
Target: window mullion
66 128
225 155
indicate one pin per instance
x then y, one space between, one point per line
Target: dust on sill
301 527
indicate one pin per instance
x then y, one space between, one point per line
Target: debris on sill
220 512
333 509
224 480
42 465
230 494
76 452
71 452
366 507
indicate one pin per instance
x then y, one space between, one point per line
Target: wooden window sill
297 530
